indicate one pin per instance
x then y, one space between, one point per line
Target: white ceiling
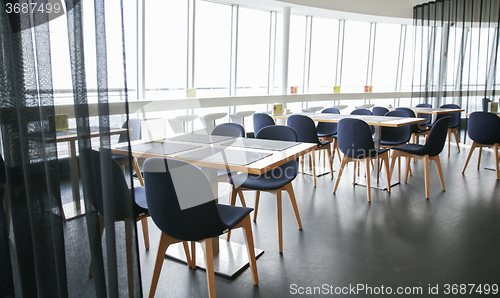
389 11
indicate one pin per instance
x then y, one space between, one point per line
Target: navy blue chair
485 102
356 143
275 181
379 111
484 131
121 196
261 120
187 211
415 129
307 133
426 116
228 130
4 194
364 112
395 136
429 151
454 122
134 126
328 132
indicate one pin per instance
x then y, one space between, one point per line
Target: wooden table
434 111
70 135
229 257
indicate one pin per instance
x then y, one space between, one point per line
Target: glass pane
166 48
296 54
253 52
355 58
324 42
385 61
212 49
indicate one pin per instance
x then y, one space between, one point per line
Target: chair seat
324 143
391 143
267 181
141 207
232 215
324 135
412 149
422 130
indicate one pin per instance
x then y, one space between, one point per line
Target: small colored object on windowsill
293 90
191 92
278 109
336 89
368 88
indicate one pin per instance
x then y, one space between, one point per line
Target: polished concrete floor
401 241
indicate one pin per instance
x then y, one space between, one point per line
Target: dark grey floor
400 239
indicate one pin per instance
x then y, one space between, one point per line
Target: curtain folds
41 253
455 51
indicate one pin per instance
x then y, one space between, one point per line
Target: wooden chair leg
479 157
313 167
209 261
440 170
356 163
472 147
449 140
395 156
101 230
190 257
256 208
454 131
247 230
289 188
426 175
242 198
342 165
280 222
330 161
495 148
368 184
232 194
165 241
130 260
387 173
407 169
145 232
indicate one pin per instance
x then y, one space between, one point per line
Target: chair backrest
229 130
396 134
484 128
485 102
122 195
426 116
437 137
281 133
134 124
261 120
326 127
304 127
355 138
410 113
379 111
361 112
172 184
455 117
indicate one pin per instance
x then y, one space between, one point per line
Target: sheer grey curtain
41 253
456 51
